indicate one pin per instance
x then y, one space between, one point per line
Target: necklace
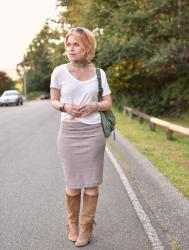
80 63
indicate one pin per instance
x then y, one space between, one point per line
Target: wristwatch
61 108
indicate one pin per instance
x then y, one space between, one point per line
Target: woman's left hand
86 109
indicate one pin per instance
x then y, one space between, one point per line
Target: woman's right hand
72 109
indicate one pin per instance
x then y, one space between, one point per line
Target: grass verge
170 157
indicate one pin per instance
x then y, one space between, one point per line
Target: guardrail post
131 114
153 121
152 126
169 134
141 119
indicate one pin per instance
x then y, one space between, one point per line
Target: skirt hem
83 185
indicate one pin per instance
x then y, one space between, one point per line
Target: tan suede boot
87 219
73 208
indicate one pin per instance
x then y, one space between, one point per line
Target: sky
20 21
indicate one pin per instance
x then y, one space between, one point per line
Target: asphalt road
32 209
163 203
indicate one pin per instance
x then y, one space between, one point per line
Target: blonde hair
86 37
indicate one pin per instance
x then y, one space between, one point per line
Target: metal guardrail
153 121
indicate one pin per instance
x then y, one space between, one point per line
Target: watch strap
61 108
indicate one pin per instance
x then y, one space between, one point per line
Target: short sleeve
105 86
54 82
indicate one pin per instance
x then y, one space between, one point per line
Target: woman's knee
73 192
91 191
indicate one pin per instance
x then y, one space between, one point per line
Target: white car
11 97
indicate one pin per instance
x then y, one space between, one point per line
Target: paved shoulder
169 208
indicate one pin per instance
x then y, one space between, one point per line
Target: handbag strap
100 89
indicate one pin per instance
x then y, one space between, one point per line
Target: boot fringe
87 220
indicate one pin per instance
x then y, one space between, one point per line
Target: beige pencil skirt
81 149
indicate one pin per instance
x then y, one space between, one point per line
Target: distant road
32 209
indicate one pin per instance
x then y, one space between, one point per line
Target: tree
42 55
144 47
5 82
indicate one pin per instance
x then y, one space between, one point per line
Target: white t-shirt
78 92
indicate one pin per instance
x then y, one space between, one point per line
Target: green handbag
108 119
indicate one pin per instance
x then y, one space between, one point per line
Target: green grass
177 121
171 157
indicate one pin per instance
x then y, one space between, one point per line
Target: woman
81 142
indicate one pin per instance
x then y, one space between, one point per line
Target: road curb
143 217
170 208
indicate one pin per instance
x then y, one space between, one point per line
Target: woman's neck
80 63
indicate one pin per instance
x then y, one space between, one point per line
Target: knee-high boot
87 219
73 208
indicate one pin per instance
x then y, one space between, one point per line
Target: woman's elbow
53 101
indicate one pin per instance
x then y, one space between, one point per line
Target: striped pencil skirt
81 149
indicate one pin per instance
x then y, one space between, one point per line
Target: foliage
34 95
43 54
144 47
5 82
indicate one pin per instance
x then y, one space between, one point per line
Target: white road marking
144 219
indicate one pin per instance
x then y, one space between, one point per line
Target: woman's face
75 49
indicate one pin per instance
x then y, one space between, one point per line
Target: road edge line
144 219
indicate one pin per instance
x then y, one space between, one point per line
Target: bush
171 100
34 95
